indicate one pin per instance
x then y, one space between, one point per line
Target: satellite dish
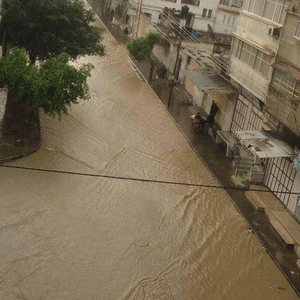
210 31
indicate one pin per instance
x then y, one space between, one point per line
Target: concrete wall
225 22
249 78
255 30
284 112
226 104
289 48
200 23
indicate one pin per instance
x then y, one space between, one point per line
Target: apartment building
265 67
219 16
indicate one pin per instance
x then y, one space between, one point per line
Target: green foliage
141 48
48 28
153 39
54 86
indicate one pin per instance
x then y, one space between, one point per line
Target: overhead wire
147 180
144 180
200 70
170 16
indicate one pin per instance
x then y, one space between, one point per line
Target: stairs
243 166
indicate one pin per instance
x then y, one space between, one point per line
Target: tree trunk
31 115
152 66
32 58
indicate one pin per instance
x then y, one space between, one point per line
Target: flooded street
65 236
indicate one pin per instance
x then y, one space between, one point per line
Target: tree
141 49
47 28
54 86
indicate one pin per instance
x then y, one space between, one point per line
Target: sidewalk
19 136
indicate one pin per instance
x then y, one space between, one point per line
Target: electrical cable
144 180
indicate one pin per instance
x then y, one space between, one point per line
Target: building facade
265 67
218 16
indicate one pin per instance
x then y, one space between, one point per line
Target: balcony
288 99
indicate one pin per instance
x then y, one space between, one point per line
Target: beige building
265 66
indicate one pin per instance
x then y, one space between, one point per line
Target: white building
219 15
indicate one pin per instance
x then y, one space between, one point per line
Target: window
224 2
269 9
209 13
262 63
286 85
204 12
188 60
248 54
190 2
228 19
237 3
297 31
235 49
253 57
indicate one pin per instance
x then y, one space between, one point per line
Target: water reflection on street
66 236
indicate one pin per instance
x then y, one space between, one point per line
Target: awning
262 145
207 80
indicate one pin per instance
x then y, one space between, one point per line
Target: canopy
262 145
207 80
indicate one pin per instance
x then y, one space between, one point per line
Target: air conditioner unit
273 31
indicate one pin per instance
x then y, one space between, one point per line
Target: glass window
286 85
273 10
204 12
256 7
209 13
297 92
269 9
262 63
190 2
297 30
277 78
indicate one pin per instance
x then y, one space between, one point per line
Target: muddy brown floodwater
67 237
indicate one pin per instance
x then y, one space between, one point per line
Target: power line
143 180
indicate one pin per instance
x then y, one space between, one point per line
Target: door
246 117
280 178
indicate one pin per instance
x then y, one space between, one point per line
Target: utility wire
144 180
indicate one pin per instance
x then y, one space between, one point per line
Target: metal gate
280 178
297 210
246 116
240 114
